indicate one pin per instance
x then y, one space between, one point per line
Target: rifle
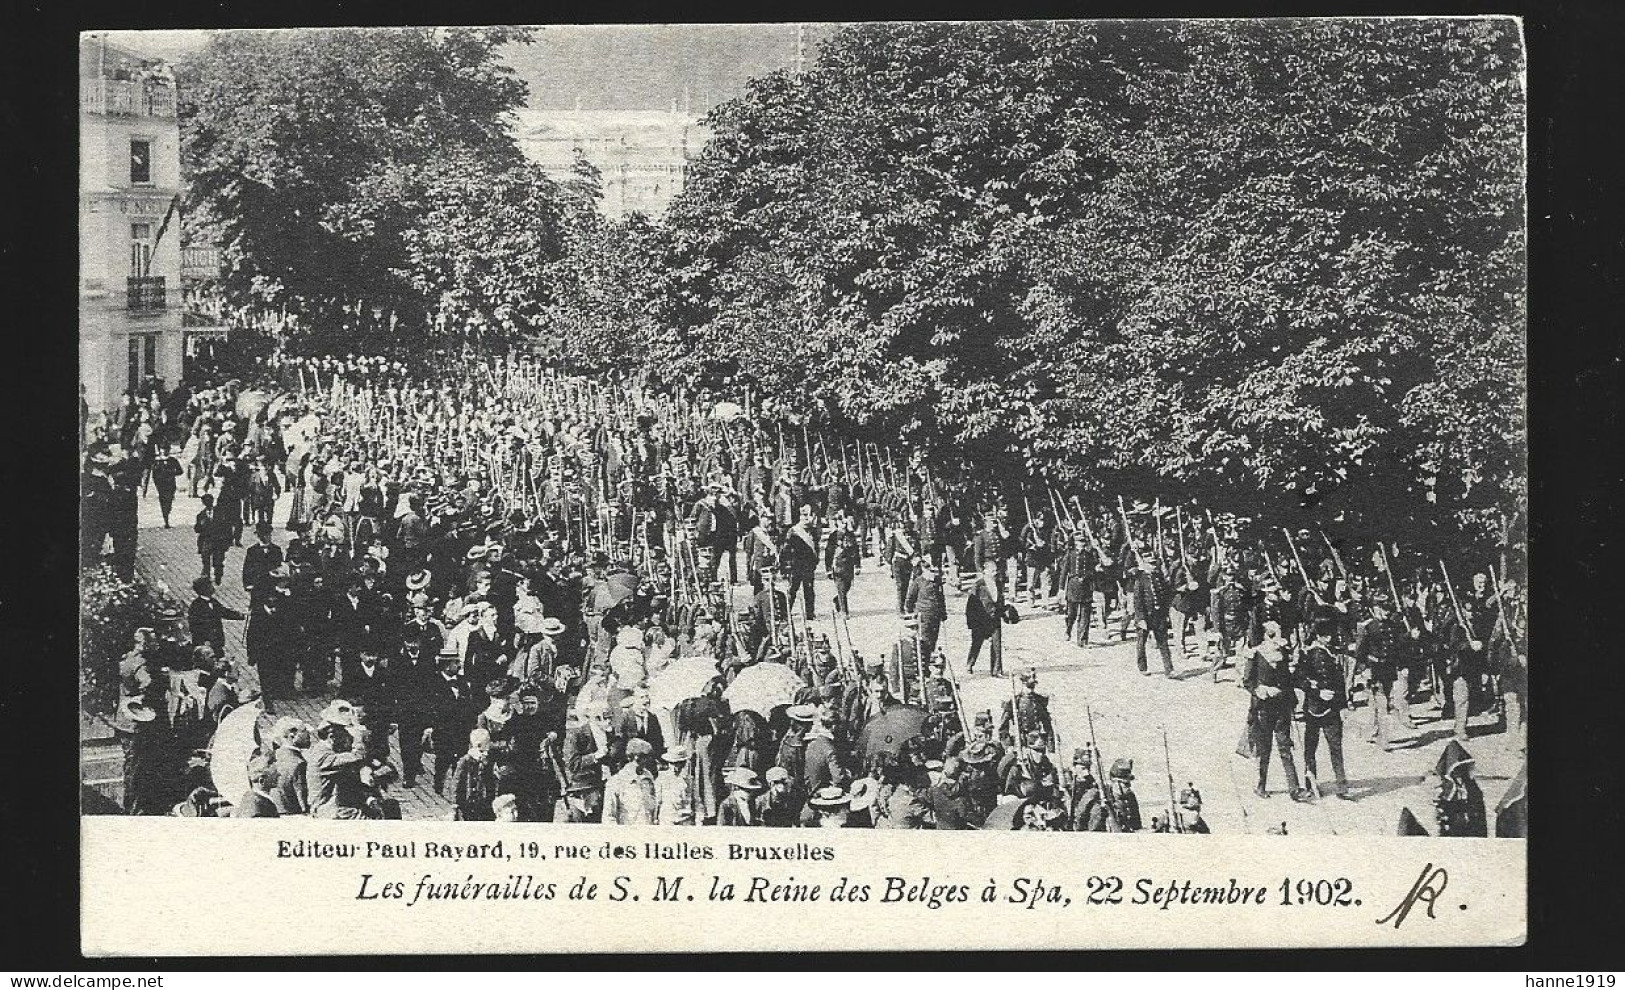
1337 558
1299 561
1173 804
1015 713
1393 588
1179 520
1106 800
1500 605
1128 532
1100 551
1461 616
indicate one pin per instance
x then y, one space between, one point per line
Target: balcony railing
127 98
146 294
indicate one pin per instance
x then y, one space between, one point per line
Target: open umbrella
233 745
726 411
1006 814
285 401
886 732
250 403
763 687
685 678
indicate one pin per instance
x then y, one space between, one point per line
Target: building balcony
146 294
127 98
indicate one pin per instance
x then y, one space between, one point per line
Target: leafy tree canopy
1262 263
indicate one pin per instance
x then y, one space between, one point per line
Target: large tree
1273 264
372 165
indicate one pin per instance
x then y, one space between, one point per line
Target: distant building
129 224
641 155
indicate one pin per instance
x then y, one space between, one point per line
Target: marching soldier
842 561
1080 565
1123 808
900 555
1037 559
1325 695
925 600
1086 805
1031 710
1378 642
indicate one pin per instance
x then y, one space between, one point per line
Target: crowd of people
535 585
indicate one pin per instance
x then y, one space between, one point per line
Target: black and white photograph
1110 426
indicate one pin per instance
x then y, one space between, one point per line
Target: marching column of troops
533 583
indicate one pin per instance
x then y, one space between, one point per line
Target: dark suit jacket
204 622
625 729
451 715
259 561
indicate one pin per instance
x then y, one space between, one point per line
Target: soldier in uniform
842 560
1378 641
1030 710
1325 695
1080 565
1152 598
900 555
1230 601
925 599
1189 811
1037 557
981 731
1086 805
979 779
1123 808
1028 773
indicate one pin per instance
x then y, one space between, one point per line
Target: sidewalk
168 559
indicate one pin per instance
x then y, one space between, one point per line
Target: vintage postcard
515 460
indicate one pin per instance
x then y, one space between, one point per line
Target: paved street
1203 720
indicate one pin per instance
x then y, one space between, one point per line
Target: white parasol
683 679
233 745
727 411
763 687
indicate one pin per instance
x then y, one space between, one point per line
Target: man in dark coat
452 706
412 672
1153 596
800 554
269 640
984 617
1267 676
213 536
259 561
205 617
635 721
372 691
